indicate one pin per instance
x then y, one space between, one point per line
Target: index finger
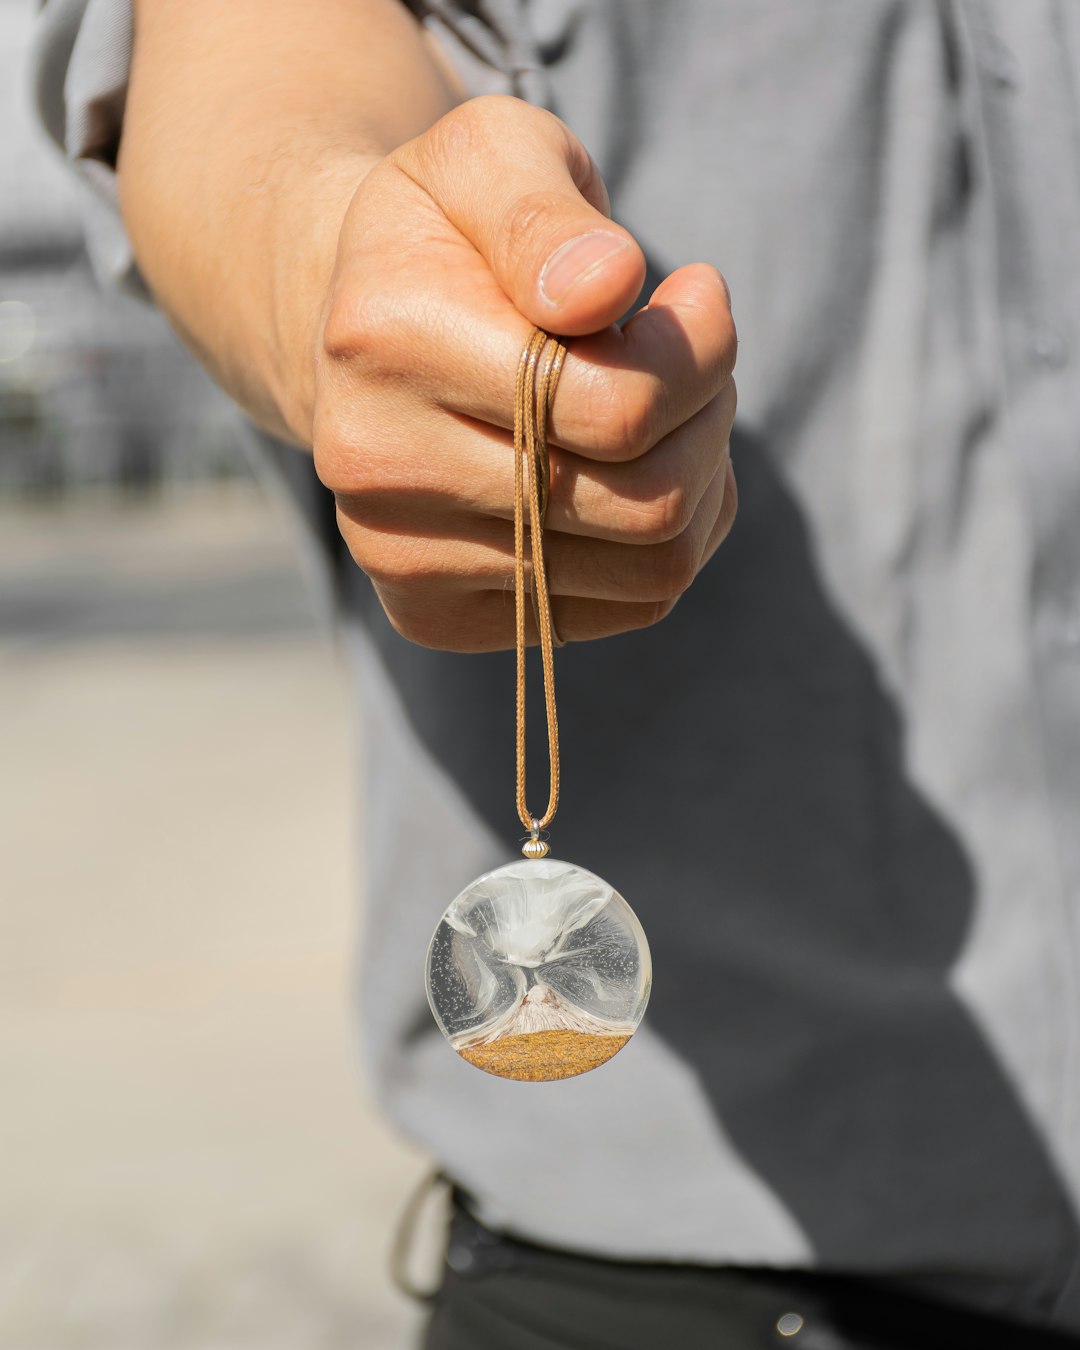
622 390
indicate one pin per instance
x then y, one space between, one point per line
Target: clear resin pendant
538 971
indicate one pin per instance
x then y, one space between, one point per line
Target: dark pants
507 1295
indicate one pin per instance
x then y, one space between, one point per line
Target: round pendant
537 971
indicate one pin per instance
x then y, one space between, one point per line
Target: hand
451 249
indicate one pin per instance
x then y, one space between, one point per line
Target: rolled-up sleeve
82 61
82 64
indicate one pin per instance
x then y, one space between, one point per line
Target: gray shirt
841 783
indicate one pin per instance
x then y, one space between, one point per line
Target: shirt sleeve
81 64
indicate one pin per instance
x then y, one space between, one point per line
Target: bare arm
358 257
248 127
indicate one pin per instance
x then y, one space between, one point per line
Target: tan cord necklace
539 970
537 377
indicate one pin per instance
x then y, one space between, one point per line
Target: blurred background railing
93 387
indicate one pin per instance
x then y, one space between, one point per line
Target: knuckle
727 347
347 464
334 457
660 517
643 416
622 617
673 512
458 135
629 421
361 326
487 111
675 566
337 333
653 613
500 115
415 626
404 564
522 227
437 627
472 132
343 326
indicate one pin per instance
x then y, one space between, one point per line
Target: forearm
247 130
360 264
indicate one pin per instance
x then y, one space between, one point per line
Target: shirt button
1047 346
460 1259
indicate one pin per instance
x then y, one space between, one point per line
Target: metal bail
534 846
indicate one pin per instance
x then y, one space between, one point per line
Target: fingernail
576 260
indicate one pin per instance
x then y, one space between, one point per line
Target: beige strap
537 377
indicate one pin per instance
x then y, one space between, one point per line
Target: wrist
302 243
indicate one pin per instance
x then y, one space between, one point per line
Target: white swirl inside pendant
538 970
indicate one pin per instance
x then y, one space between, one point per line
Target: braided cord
537 377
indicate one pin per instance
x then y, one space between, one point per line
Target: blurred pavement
186 1157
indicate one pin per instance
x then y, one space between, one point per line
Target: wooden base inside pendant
543 1056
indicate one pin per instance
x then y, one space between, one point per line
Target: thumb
526 194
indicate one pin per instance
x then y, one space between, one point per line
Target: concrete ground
187 1160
